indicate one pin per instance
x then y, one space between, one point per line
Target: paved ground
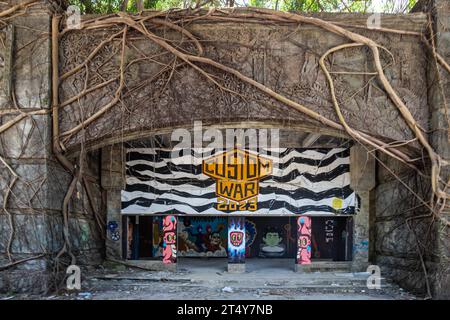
208 279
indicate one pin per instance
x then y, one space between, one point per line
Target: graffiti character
236 238
272 245
215 242
199 238
184 243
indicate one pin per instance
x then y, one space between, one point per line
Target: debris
275 284
227 289
85 295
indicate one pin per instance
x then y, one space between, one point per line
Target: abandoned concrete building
111 142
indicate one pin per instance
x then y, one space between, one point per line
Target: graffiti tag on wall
113 230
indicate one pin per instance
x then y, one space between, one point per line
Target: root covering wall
34 185
162 93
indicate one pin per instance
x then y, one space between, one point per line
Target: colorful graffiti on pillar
170 239
113 229
304 240
236 240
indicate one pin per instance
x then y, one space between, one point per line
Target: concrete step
285 290
329 283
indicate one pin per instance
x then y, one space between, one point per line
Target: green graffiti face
272 239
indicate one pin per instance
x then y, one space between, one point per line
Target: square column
303 243
236 244
362 181
170 240
112 180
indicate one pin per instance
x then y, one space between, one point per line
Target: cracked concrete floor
200 279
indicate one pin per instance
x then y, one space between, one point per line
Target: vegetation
110 6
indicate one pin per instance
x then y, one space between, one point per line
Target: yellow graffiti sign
237 173
337 203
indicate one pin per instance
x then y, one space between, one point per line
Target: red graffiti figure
169 239
236 238
304 240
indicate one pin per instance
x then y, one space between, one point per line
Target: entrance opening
332 238
271 242
139 235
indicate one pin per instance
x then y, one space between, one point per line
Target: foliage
387 6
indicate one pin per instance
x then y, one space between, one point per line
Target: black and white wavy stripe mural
311 181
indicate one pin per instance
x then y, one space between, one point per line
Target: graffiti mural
113 230
202 237
304 240
169 239
238 181
236 240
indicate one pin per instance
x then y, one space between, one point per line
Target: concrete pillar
170 240
362 175
112 181
35 201
303 257
236 244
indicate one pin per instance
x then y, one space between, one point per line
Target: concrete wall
395 244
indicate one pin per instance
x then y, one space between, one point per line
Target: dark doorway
145 237
331 238
139 235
